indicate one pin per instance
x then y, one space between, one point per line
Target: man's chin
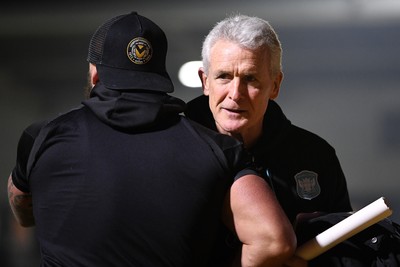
230 129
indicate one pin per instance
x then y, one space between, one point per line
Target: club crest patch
307 184
139 51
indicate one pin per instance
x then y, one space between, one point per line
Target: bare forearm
265 255
247 260
21 205
261 225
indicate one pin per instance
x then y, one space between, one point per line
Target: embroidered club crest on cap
307 185
139 51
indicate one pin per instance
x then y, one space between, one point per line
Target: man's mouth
237 111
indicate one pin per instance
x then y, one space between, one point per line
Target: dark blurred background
342 78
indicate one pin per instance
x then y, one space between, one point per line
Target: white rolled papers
355 223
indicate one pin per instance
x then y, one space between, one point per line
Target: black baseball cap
130 52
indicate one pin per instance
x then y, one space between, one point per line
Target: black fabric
105 194
376 246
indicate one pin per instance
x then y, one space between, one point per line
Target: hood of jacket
133 110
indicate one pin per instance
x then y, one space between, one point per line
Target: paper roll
355 223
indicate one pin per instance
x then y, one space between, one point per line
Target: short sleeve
247 171
242 162
25 144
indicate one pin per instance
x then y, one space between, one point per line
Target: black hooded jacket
126 180
301 167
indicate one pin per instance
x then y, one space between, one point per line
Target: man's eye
223 76
250 78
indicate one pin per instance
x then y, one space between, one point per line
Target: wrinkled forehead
227 54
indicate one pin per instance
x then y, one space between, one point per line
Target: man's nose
236 89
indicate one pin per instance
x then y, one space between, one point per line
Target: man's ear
277 85
203 79
94 77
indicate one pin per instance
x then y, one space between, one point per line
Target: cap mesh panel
96 45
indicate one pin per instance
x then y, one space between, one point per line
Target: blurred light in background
188 74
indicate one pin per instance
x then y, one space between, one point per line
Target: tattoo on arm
21 204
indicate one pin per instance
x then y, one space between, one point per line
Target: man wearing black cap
126 180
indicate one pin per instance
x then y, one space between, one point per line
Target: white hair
248 32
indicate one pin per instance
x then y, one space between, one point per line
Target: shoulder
34 129
280 133
69 119
37 133
29 144
29 135
227 149
306 138
224 142
70 114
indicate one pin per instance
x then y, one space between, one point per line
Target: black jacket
301 167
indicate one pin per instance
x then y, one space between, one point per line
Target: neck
248 137
251 138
